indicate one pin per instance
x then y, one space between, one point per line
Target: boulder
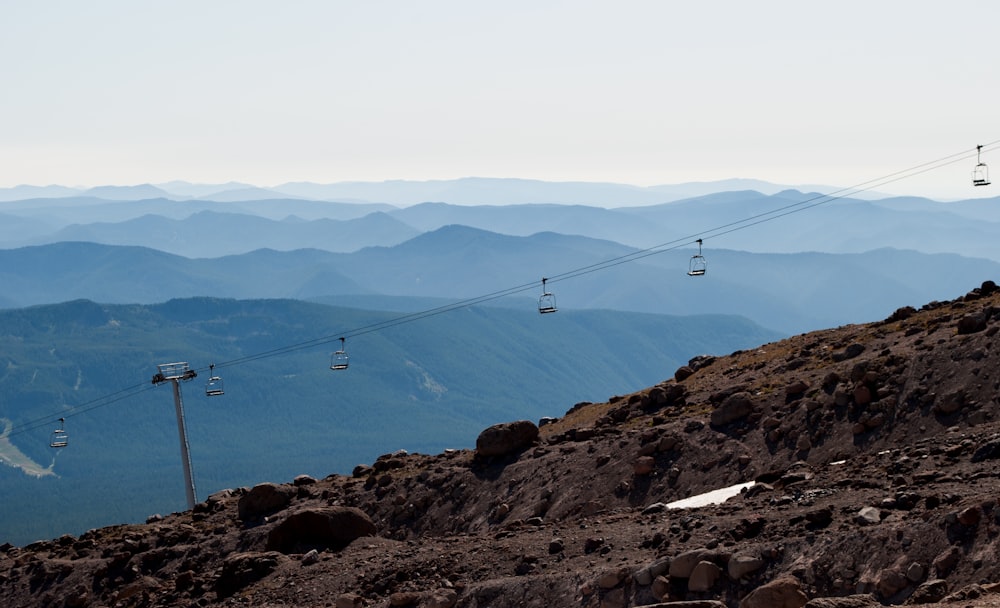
796 387
683 565
916 572
349 600
890 582
506 438
930 592
263 500
683 372
901 314
735 407
946 561
303 480
783 592
988 451
742 564
668 394
644 465
703 576
324 528
969 516
612 578
850 352
950 403
441 598
869 516
970 324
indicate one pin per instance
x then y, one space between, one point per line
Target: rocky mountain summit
865 459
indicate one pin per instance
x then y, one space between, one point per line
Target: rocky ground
873 448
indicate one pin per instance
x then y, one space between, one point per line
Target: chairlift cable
674 244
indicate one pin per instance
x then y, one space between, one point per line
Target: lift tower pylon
175 373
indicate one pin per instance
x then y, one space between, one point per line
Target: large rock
506 438
735 407
972 323
742 564
325 528
703 576
780 593
946 561
683 565
264 499
868 516
930 592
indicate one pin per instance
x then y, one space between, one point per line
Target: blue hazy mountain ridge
215 234
463 191
61 212
13 228
789 221
126 193
525 220
25 191
791 292
814 223
250 193
423 385
506 191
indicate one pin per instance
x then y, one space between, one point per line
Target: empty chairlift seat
214 386
547 301
338 360
980 173
698 265
59 437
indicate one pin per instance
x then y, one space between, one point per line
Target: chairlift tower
175 373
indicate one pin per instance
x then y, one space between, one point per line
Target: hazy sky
641 92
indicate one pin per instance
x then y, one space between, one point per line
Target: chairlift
338 360
698 264
59 438
214 386
981 173
547 301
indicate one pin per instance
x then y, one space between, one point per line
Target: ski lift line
82 408
717 231
760 218
732 227
714 232
366 329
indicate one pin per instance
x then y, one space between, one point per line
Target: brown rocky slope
874 449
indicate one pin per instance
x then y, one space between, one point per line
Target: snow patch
715 497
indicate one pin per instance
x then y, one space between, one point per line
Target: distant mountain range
786 222
464 191
786 292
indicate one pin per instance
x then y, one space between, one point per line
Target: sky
637 92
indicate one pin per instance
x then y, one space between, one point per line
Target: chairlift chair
698 264
981 173
214 386
547 301
338 360
59 438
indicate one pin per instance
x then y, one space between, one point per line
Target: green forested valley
417 384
